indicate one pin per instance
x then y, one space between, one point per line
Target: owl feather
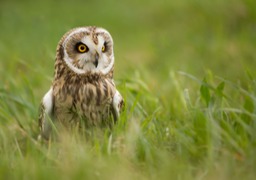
83 89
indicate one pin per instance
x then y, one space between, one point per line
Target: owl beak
96 60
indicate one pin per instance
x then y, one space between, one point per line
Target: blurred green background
151 37
163 132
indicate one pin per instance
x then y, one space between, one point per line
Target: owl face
88 49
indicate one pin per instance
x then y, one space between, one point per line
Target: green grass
185 68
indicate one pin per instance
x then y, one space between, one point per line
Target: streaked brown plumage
83 90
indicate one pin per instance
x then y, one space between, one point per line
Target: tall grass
185 69
210 135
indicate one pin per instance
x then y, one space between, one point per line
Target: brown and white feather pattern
82 92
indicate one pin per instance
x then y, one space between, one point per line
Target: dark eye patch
81 47
106 46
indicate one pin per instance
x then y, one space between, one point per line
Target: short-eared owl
83 90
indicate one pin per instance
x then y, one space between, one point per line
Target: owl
83 91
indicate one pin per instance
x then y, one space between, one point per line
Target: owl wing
118 105
46 114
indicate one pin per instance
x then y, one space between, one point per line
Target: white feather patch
47 101
73 68
109 67
117 99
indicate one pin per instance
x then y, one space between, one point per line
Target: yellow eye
82 48
103 49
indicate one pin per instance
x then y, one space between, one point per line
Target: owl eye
103 49
82 48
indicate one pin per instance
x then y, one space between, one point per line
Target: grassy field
186 70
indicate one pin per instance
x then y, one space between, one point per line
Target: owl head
87 49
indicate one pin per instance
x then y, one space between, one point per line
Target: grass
185 69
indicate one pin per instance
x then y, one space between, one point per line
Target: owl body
83 89
83 97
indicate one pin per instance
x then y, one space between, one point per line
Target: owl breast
83 99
